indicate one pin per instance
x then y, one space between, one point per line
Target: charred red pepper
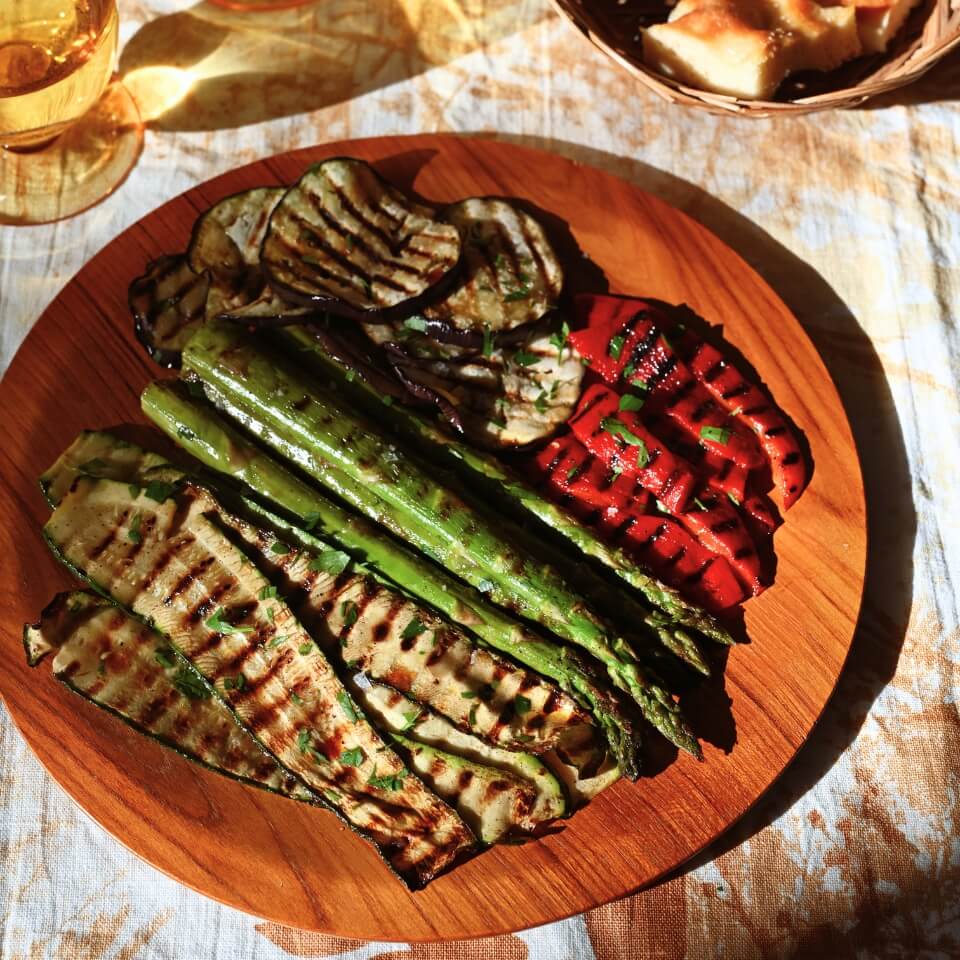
760 515
626 338
624 444
749 403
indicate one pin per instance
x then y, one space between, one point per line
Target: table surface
853 217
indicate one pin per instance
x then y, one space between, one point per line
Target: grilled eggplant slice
121 665
171 564
168 304
344 239
511 397
511 275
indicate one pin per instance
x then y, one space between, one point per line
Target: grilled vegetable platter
422 538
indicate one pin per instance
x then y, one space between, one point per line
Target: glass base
81 167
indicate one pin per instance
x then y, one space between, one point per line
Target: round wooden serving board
81 367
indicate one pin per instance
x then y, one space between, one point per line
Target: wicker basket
931 31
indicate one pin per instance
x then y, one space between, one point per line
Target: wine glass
69 135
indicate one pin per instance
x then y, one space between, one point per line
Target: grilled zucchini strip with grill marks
511 275
121 665
344 238
311 427
172 565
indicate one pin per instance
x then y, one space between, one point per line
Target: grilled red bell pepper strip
750 404
725 476
679 559
712 519
760 515
623 443
639 352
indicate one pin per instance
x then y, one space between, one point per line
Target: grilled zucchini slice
344 239
511 275
121 665
170 563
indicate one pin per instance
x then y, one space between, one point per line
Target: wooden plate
81 367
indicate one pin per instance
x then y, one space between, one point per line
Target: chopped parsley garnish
276 641
305 648
630 401
521 293
159 490
310 520
717 434
524 359
267 593
237 683
524 737
393 781
165 657
350 376
219 625
467 694
574 471
615 346
487 341
733 498
134 490
472 716
303 740
486 586
410 718
559 340
133 531
498 423
346 704
700 503
522 704
614 427
349 611
296 698
413 629
387 400
352 758
332 796
190 684
331 561
628 371
367 286
278 546
540 403
416 322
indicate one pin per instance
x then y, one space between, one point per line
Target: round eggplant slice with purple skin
344 240
168 304
510 276
512 397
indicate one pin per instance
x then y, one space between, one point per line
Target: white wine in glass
68 135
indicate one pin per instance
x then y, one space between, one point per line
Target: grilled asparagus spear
308 425
478 466
202 432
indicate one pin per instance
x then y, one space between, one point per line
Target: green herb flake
413 629
237 683
487 341
615 346
524 359
305 648
498 423
296 698
310 520
628 371
734 499
616 428
303 740
700 503
540 404
574 471
416 322
267 593
521 293
159 490
525 737
275 642
716 434
643 455
331 796
133 531
472 716
271 616
350 376
134 490
165 657
349 611
631 402
468 694
522 704
346 704
278 546
219 625
191 685
387 400
392 781
410 719
331 561
559 340
352 758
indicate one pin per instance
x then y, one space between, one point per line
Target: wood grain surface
81 367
